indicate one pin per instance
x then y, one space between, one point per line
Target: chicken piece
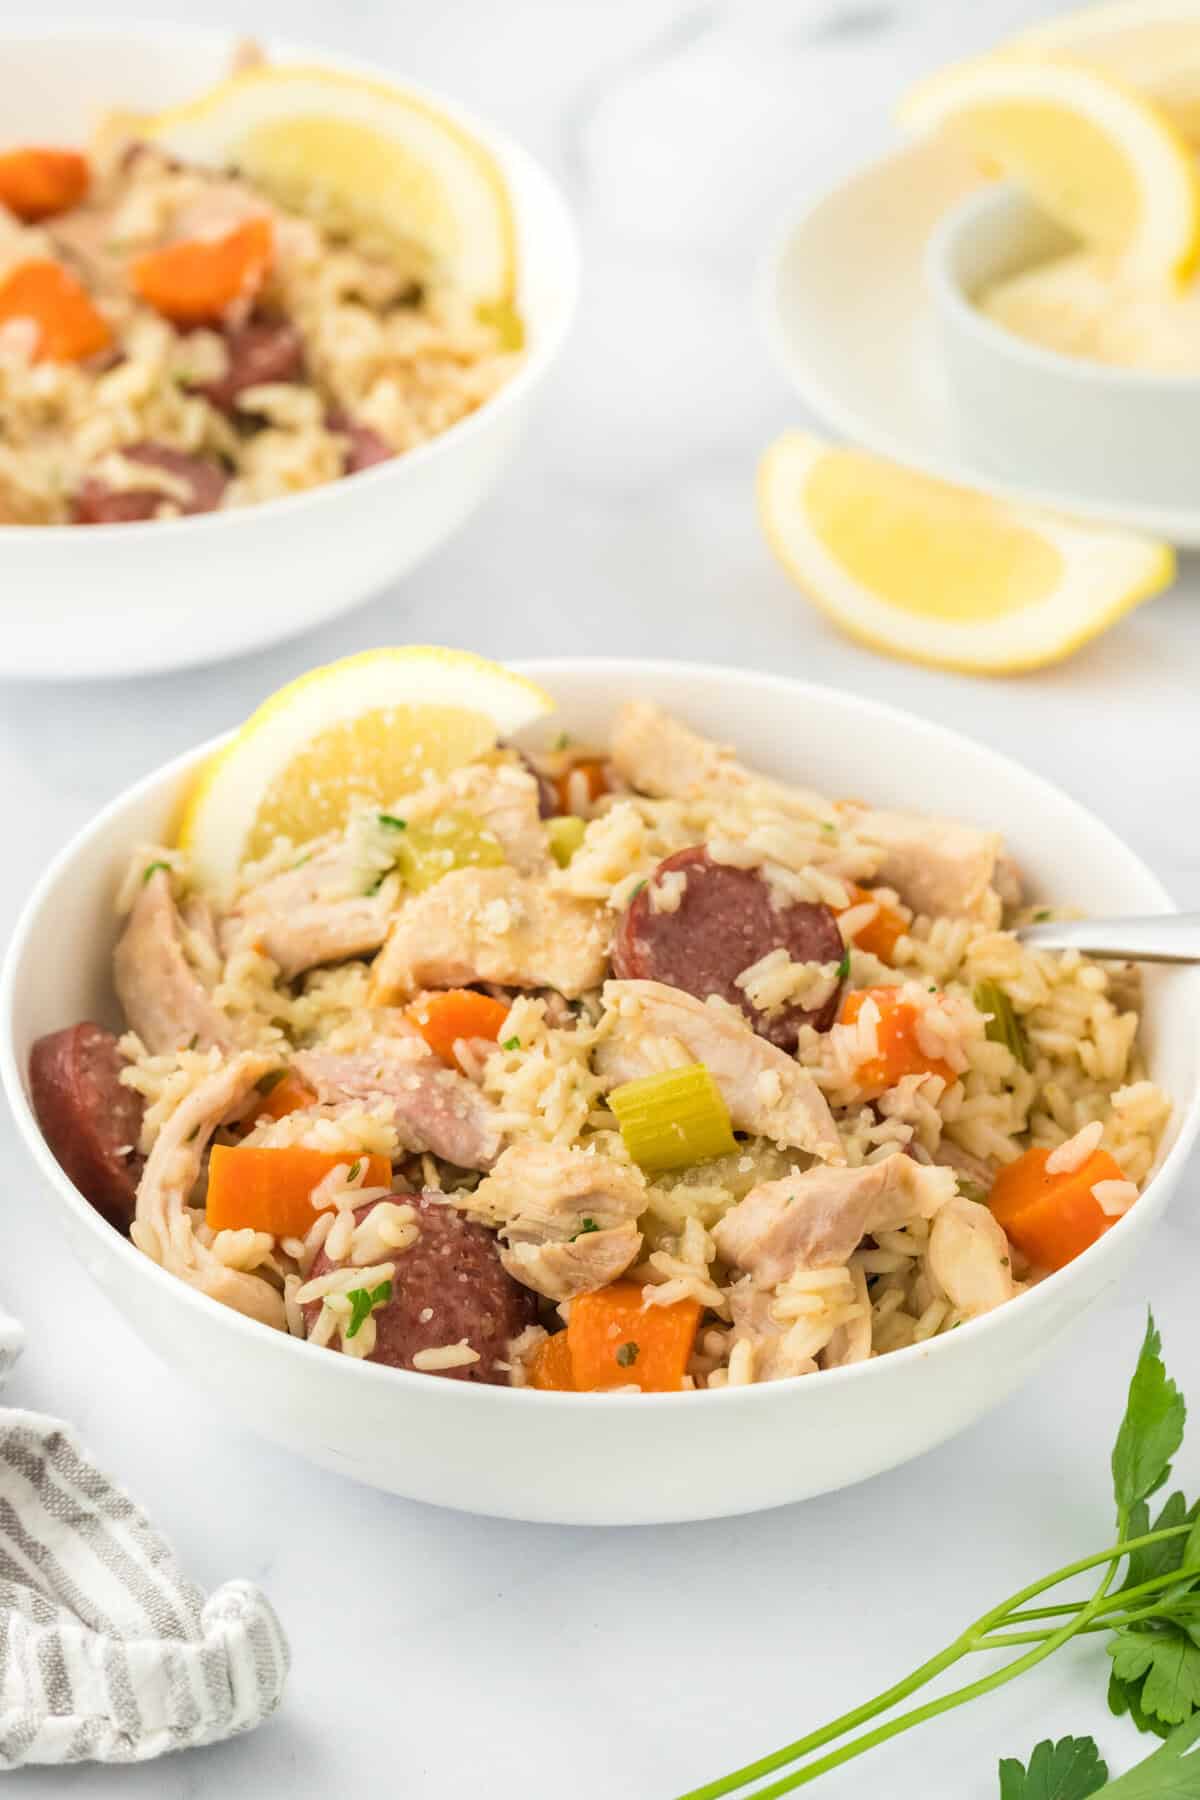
162 1227
970 1257
435 1108
775 1358
950 1155
494 925
816 1220
315 912
567 1218
502 795
659 756
164 998
767 1092
937 866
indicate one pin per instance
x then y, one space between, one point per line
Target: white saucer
848 316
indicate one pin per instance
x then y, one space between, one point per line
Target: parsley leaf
392 822
1170 1663
1164 1774
588 1225
1152 1429
843 968
512 1043
363 1302
1068 1770
152 869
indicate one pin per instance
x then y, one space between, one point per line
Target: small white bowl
601 1459
1113 436
127 599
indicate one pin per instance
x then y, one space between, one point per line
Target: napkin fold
107 1652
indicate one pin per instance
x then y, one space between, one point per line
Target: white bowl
1113 436
122 600
613 1459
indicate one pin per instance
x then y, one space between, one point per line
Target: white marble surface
438 1655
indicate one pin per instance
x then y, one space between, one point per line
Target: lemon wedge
362 157
1150 45
1098 158
362 731
941 574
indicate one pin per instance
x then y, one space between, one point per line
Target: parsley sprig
1153 1620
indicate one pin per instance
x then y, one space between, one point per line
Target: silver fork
1163 938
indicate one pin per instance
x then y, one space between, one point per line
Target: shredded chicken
969 1255
315 912
659 756
435 1108
568 1218
164 998
162 1228
936 865
767 1091
816 1220
494 925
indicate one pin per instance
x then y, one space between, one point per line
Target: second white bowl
127 599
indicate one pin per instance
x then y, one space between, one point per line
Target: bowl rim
537 357
957 310
611 671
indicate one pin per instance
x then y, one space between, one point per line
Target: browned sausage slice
89 1118
364 447
98 504
448 1286
726 920
261 351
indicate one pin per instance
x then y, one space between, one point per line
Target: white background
439 1655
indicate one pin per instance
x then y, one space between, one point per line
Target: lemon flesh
940 574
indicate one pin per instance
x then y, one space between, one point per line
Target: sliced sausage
98 504
261 351
726 919
452 1273
89 1118
364 447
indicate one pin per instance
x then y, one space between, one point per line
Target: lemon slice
361 157
1151 45
365 730
1098 158
941 574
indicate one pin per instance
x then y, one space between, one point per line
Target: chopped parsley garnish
562 740
392 822
637 890
829 826
152 869
843 968
627 1355
588 1225
354 1171
1041 915
512 1043
376 884
363 1302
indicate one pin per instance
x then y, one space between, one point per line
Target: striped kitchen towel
107 1652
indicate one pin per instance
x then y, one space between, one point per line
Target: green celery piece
456 839
672 1119
1003 1027
565 835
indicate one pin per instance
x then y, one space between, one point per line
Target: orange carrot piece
287 1096
195 281
594 772
442 1018
68 326
614 1340
880 935
550 1365
1052 1218
900 1053
36 183
269 1187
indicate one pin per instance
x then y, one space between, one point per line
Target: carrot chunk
615 1341
1052 1218
550 1365
195 281
900 1052
286 1096
593 771
879 936
68 326
443 1018
269 1187
36 183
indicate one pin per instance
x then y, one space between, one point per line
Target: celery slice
566 836
456 839
672 1119
1003 1027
